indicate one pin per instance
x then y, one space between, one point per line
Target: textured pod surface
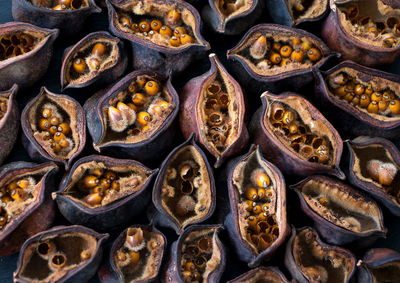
213 108
310 260
25 53
142 127
198 254
361 31
161 47
62 254
257 223
184 191
340 213
53 128
26 204
261 274
104 192
98 57
277 57
68 20
295 136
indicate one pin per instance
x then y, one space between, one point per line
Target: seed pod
35 141
230 136
323 199
261 274
276 143
9 121
118 206
308 259
98 69
65 263
35 49
156 52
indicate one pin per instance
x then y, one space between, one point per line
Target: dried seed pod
59 148
65 263
22 218
310 260
129 138
354 119
182 254
294 155
255 75
93 68
157 52
340 213
230 136
68 20
117 205
239 220
35 49
177 208
261 274
9 121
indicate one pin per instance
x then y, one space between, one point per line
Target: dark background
219 45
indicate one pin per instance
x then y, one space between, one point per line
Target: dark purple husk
68 22
114 215
249 275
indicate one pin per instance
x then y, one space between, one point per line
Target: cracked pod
213 108
257 222
25 53
26 206
197 256
103 192
66 15
360 100
261 275
232 17
340 213
308 259
53 128
277 57
61 254
379 265
135 118
98 57
184 191
367 31
165 34
135 256
296 137
373 166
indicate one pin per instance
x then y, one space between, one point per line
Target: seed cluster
12 45
92 62
364 95
227 7
384 173
169 29
62 5
289 128
3 107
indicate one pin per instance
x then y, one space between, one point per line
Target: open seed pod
213 108
197 256
135 256
53 128
232 17
257 222
261 274
277 57
66 15
26 206
135 117
379 265
98 57
25 53
103 192
296 137
367 31
360 100
165 34
61 254
308 259
373 166
184 191
340 213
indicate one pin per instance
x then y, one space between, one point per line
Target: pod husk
270 274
